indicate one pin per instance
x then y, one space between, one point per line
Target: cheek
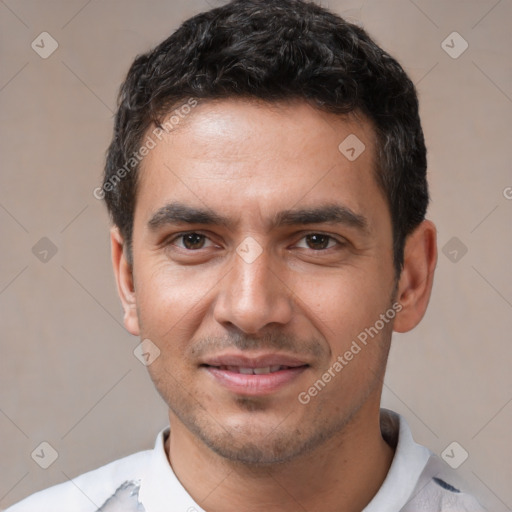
169 308
343 302
169 300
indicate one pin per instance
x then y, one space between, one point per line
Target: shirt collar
408 463
160 490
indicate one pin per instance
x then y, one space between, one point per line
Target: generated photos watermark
150 142
355 348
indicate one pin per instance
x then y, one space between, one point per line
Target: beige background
69 376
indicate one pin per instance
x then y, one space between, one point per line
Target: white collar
161 491
408 463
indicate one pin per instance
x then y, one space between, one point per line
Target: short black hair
275 50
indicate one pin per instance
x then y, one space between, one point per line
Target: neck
342 474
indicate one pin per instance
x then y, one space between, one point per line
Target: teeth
253 371
259 371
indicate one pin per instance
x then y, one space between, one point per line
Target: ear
417 277
124 278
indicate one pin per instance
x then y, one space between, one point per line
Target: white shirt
417 481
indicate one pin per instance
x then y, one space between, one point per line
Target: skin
247 161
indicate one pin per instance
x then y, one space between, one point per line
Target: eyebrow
179 213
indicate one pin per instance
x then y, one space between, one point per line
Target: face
261 253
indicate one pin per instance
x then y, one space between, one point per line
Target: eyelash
330 237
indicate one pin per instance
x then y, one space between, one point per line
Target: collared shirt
417 481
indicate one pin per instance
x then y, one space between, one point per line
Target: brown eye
191 241
318 241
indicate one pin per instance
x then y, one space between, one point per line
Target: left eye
191 241
318 241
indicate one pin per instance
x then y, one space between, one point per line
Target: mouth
253 371
254 376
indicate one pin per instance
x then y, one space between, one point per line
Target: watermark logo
249 249
454 45
146 352
44 45
352 147
454 455
44 455
44 250
454 250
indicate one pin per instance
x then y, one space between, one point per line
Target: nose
252 296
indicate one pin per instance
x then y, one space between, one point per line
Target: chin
257 452
262 443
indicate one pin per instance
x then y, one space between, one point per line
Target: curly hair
275 50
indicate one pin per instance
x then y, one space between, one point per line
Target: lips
252 376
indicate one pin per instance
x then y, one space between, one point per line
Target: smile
254 381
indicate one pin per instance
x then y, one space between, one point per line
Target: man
267 185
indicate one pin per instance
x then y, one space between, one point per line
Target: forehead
243 154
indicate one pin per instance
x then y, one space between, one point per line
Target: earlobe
124 279
417 277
